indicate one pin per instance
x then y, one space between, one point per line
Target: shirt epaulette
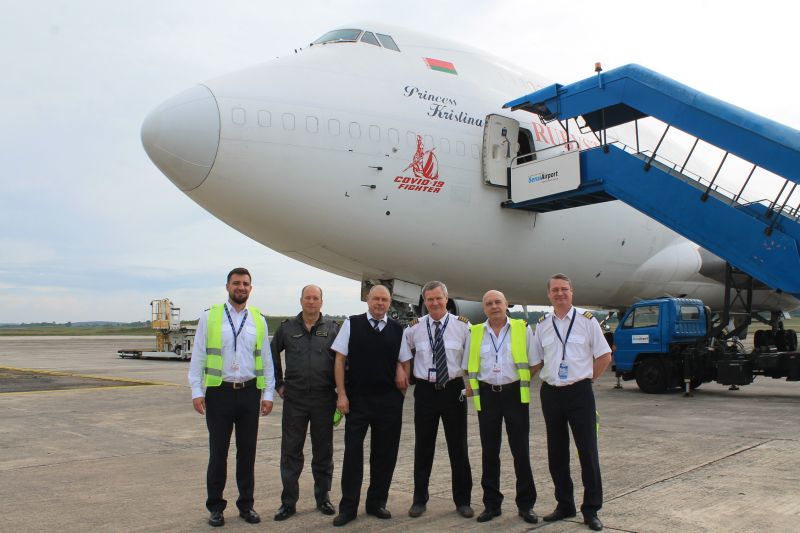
588 314
414 322
464 319
541 319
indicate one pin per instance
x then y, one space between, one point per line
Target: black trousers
226 409
497 406
431 404
301 408
573 406
382 413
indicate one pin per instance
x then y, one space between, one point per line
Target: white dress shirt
585 343
242 358
417 342
497 362
342 342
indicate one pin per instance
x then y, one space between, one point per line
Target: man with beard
232 361
309 397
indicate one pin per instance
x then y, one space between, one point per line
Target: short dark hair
562 277
303 290
239 271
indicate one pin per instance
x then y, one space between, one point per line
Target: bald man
499 369
370 344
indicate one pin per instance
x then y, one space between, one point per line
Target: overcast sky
91 230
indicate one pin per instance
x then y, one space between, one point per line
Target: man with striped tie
370 344
437 342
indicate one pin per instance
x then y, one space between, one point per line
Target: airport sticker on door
640 339
424 172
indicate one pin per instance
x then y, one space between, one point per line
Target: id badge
563 370
496 368
235 366
432 375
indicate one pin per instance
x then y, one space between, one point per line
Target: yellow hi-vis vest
213 370
519 352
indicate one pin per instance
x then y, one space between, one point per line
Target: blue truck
669 342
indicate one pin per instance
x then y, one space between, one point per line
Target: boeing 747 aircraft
380 154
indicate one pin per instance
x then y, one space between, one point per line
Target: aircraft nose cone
181 136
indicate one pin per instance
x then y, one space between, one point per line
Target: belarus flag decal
441 66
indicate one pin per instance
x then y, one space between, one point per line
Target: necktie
375 323
439 358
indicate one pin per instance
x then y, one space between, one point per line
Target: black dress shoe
216 519
342 519
327 508
416 510
284 512
529 516
250 516
488 514
465 511
593 522
379 512
558 514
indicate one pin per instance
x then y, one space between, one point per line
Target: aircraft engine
467 308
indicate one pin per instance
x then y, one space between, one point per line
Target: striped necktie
439 358
375 324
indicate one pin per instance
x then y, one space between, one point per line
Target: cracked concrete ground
132 458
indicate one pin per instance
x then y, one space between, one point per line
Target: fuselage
325 156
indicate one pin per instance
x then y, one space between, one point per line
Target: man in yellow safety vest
232 381
498 367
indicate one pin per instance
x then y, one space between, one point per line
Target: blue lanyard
233 329
440 337
569 330
496 349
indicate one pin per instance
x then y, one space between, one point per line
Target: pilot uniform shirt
498 367
342 342
238 366
417 342
585 343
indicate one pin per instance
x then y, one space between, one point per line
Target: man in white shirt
571 352
499 366
232 380
437 342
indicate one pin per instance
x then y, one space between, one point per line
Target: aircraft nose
181 136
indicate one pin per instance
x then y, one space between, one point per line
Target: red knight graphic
425 172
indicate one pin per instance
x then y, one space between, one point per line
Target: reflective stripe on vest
519 352
213 370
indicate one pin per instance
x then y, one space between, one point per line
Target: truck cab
651 337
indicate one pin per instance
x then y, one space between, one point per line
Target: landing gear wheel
790 337
651 376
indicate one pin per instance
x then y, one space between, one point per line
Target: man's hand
280 391
199 405
401 378
266 407
343 404
468 391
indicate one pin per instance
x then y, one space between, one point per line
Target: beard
237 299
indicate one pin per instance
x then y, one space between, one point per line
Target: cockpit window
388 42
338 36
352 36
369 37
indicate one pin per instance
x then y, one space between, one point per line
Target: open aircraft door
500 146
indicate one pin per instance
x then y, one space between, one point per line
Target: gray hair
303 290
431 285
560 276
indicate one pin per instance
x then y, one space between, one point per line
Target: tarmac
110 444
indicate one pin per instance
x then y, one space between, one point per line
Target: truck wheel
791 340
651 376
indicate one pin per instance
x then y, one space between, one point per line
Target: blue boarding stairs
759 238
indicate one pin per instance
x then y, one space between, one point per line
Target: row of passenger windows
334 127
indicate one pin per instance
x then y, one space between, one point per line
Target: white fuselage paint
299 142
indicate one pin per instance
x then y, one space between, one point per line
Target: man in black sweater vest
369 396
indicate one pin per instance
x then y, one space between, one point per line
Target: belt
499 388
437 386
238 384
